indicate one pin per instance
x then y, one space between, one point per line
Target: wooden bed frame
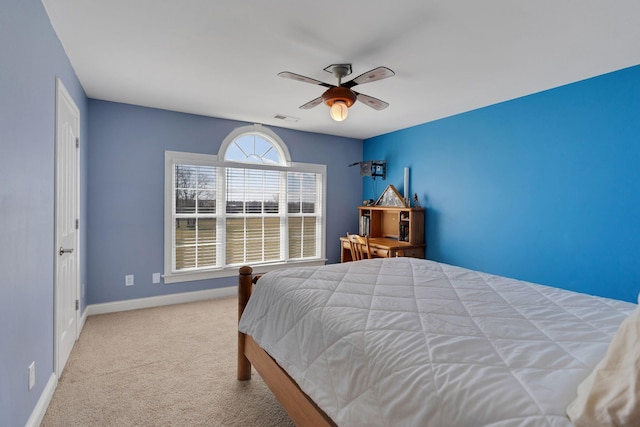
302 410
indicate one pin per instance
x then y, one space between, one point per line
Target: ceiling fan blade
311 103
372 102
370 76
304 79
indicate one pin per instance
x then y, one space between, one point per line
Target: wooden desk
383 247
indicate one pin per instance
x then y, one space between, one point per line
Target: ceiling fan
339 98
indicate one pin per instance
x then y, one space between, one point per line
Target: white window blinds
302 205
253 216
194 216
251 206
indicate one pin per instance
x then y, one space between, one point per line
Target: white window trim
172 157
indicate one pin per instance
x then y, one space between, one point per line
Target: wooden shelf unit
402 224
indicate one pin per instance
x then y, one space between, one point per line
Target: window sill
189 276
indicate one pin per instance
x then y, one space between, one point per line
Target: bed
406 341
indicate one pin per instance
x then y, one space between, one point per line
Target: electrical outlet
155 278
32 374
128 280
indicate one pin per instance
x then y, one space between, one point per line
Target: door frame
61 92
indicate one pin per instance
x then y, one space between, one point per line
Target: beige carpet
165 366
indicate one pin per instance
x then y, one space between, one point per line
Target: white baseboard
83 320
43 403
157 301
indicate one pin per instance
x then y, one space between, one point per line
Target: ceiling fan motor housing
339 93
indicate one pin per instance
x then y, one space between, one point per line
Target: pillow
610 395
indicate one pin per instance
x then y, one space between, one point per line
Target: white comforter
409 342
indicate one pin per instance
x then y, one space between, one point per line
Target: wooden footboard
302 410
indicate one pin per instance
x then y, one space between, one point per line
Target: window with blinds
253 216
302 214
249 206
195 216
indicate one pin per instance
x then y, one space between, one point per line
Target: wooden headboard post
245 286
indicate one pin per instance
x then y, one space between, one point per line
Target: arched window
249 205
254 144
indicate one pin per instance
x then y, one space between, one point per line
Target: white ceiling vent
286 118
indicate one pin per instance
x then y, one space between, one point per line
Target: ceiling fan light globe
339 111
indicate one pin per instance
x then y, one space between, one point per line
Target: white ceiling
221 58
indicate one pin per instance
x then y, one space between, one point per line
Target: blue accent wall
126 191
544 188
31 59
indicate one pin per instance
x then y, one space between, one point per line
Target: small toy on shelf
416 202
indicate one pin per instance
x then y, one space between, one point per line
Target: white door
66 210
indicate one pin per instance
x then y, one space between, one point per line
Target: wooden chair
360 248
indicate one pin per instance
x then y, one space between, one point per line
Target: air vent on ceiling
286 118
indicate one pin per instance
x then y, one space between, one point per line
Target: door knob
63 250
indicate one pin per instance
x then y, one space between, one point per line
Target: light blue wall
31 59
544 188
126 191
